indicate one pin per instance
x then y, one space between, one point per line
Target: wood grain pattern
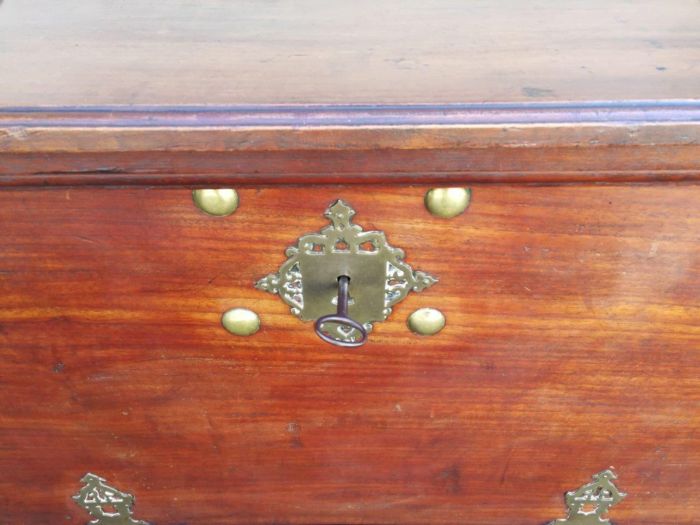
315 51
571 345
315 144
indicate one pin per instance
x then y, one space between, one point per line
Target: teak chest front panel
571 285
571 345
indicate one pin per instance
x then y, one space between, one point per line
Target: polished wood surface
572 299
317 144
571 345
316 51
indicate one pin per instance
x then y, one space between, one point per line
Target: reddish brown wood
264 145
571 345
572 337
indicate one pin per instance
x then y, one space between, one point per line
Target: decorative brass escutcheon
108 505
349 276
589 503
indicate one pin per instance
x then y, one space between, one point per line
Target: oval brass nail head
426 321
220 202
447 202
241 321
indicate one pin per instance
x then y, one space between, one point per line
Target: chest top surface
360 52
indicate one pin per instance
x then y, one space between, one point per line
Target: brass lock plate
379 277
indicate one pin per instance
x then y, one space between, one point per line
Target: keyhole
351 301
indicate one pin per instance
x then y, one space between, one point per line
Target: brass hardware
219 202
241 321
426 321
108 505
379 278
447 202
588 504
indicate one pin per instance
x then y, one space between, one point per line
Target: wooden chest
525 174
